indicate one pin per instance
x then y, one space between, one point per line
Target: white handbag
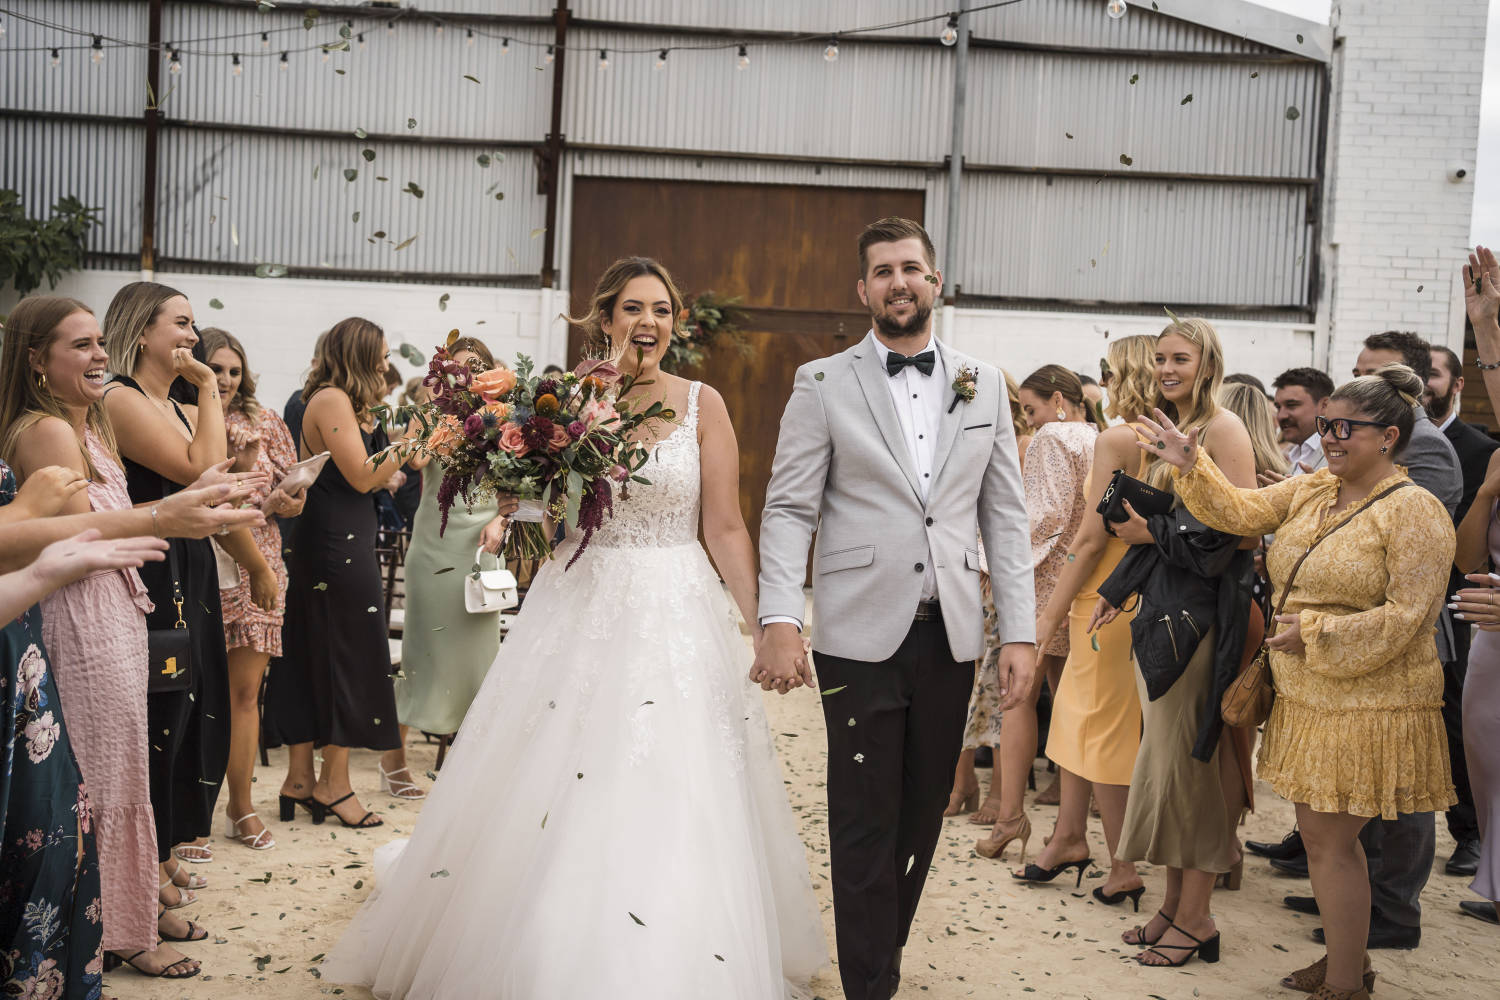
228 569
489 590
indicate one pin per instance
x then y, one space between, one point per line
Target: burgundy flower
474 426
537 432
576 429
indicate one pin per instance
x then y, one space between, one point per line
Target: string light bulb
390 27
950 31
469 37
661 59
56 58
265 41
174 65
603 59
831 51
440 31
361 38
743 60
548 57
1117 9
284 64
327 55
234 64
505 46
98 54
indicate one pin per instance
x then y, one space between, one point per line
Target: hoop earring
41 381
140 348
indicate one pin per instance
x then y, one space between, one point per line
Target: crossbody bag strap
1286 590
177 597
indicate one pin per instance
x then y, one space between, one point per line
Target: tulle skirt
611 820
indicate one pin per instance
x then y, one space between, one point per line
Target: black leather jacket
1191 580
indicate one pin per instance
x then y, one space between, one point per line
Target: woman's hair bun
1405 381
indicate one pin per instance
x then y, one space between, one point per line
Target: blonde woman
1186 759
1096 715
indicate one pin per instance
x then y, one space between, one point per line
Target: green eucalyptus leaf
350 174
270 270
368 154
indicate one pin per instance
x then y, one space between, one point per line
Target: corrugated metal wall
886 108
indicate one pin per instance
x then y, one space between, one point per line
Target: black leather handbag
1146 500
169 651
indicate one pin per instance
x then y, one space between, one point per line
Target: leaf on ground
261 961
359 883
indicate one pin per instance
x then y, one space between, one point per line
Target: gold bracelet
155 525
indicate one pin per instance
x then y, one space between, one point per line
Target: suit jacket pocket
852 558
971 560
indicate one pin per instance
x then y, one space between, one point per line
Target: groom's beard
917 323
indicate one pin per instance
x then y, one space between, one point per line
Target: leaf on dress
440 873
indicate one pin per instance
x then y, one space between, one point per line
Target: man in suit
900 454
1474 448
1300 393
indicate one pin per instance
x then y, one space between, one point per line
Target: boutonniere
964 386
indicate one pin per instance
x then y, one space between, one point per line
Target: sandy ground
977 934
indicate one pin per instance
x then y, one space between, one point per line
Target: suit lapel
952 415
873 380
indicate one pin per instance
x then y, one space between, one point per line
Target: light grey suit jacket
843 469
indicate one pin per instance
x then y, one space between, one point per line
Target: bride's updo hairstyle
607 294
1389 396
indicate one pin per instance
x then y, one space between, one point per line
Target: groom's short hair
893 229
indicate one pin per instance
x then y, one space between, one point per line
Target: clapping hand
1163 440
219 475
283 504
47 490
63 562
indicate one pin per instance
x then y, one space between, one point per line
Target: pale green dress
445 651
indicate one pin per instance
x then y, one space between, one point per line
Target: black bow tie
923 362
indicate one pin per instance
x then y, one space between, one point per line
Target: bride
611 820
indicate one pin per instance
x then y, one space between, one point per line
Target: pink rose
559 438
577 430
512 441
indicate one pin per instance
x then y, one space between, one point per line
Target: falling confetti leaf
371 609
356 217
859 758
380 234
910 862
317 169
1255 74
719 957
828 691
405 243
270 270
471 79
1133 78
544 819
368 154
216 304
350 173
1094 642
412 189
1299 39
411 123
1186 100
1419 289
1127 160
320 586
234 234
440 873
500 196
851 722
360 133
1068 134
637 919
537 232
1292 114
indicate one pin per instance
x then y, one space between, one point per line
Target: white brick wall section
1406 83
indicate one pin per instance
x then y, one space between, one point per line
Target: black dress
189 735
332 683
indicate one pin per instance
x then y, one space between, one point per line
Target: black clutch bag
169 651
1146 500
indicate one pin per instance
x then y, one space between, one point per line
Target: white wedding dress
611 821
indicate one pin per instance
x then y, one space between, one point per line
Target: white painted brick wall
1406 80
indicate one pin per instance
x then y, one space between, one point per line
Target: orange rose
511 440
446 436
494 383
499 411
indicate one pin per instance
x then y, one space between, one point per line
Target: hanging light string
90 39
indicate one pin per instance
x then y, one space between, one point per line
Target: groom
900 454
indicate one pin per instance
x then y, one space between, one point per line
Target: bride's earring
1061 416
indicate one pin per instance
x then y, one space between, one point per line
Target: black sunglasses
1342 426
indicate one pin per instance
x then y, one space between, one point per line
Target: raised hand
1482 301
200 512
190 368
61 563
1162 439
241 482
46 491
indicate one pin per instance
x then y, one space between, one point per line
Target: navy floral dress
50 930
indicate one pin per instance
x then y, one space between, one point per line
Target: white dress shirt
1452 416
1309 451
919 400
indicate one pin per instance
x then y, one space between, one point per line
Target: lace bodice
665 512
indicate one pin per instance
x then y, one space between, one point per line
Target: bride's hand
1162 439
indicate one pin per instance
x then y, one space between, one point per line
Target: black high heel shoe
321 809
1036 873
1207 950
1116 898
289 808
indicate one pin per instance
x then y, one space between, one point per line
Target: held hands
1288 640
48 490
61 563
781 659
1161 439
1479 605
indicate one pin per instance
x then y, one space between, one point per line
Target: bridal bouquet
560 444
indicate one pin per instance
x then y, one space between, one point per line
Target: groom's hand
1016 671
781 660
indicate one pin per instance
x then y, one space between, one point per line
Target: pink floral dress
95 631
1055 478
244 623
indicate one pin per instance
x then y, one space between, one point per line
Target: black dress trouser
894 734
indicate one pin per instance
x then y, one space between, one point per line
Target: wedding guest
260 441
1186 760
445 651
1096 713
1299 399
1356 730
50 924
1057 463
149 333
409 495
1094 393
331 688
52 367
291 412
1243 378
1017 418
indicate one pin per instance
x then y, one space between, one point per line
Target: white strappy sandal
408 790
262 841
193 881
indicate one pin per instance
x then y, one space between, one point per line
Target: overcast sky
1486 225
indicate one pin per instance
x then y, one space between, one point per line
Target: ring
223 531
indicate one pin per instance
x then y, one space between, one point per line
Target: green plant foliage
34 249
710 323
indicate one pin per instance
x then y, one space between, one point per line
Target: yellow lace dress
1357 725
